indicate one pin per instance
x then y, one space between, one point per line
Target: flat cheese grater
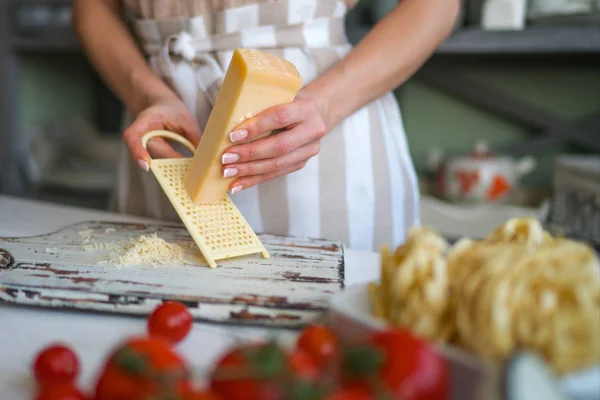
219 229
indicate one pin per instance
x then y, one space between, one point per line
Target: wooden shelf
45 44
534 40
580 39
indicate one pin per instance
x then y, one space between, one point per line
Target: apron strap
209 74
274 25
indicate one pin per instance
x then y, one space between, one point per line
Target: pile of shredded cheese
143 250
150 250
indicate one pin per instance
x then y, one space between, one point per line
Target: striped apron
360 189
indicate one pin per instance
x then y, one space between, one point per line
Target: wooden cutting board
290 289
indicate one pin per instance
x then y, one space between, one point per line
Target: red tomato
350 393
412 370
241 388
171 320
319 342
303 365
130 372
60 391
201 395
56 363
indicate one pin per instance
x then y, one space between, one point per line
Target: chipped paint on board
290 289
6 259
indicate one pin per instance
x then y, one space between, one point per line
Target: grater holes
217 223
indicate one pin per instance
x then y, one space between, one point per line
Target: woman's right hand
165 114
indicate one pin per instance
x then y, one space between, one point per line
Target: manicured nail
236 136
229 158
143 165
235 189
229 172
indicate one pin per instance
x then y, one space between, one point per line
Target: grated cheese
86 235
144 250
151 250
94 246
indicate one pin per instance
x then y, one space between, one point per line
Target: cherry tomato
201 395
56 363
171 320
60 391
303 365
241 388
131 372
319 342
350 393
412 370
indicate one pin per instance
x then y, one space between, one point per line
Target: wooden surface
289 289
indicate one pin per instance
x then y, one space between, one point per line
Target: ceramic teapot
478 177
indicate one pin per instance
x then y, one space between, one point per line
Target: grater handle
168 135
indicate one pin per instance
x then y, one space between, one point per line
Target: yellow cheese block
253 82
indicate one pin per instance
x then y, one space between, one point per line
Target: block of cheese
254 82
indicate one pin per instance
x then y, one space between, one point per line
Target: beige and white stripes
360 189
164 9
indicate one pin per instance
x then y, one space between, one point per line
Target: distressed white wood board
289 289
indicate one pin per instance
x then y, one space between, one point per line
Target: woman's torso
162 9
360 189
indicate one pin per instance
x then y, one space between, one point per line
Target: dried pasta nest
520 288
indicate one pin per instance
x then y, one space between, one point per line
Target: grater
219 229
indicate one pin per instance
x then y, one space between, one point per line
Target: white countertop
23 331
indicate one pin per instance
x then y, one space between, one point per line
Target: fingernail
236 136
143 165
229 158
229 172
235 189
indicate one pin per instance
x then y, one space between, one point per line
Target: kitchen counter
23 331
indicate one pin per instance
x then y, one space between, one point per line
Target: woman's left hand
302 127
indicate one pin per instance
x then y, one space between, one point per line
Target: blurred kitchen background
518 79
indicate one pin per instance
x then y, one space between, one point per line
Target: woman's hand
117 57
169 114
301 125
